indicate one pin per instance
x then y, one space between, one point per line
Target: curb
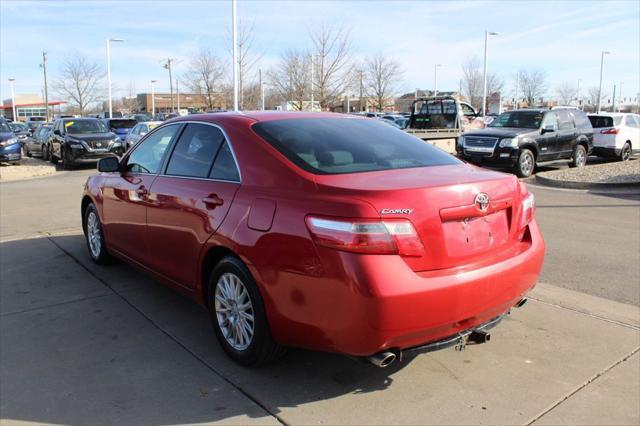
540 180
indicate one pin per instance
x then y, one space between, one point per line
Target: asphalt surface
87 344
593 240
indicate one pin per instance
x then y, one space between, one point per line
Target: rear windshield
518 119
122 124
37 118
335 146
598 121
85 126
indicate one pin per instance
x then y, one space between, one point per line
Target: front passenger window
147 156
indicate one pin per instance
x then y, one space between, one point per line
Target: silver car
138 131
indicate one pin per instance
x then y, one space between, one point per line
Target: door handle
142 192
213 201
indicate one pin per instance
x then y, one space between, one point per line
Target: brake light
366 236
612 131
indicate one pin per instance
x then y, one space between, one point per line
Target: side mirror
57 132
109 165
549 128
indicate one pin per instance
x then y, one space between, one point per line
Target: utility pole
613 101
43 65
578 96
178 95
234 40
167 66
601 73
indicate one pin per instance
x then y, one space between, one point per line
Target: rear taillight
366 236
528 210
612 131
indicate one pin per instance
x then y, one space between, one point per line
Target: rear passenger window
195 151
629 121
225 167
566 121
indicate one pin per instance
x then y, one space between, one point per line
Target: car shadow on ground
85 343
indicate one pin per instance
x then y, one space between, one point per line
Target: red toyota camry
323 231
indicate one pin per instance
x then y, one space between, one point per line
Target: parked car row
521 140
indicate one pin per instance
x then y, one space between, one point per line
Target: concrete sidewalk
83 344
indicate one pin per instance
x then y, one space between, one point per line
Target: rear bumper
380 304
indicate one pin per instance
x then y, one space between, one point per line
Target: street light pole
13 99
109 40
578 95
153 99
178 95
435 79
486 53
167 66
604 52
234 54
43 65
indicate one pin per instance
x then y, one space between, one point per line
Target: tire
254 345
579 158
67 164
45 153
52 157
625 153
94 236
27 152
526 163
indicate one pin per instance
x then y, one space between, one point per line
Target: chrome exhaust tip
382 359
521 303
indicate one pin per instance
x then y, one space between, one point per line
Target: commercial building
28 105
189 101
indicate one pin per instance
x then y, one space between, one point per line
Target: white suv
615 134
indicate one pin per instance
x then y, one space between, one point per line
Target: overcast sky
562 38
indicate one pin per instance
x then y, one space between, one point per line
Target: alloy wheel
94 235
234 311
526 164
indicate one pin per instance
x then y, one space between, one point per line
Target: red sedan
327 232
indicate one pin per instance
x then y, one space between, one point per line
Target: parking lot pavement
116 347
80 343
74 352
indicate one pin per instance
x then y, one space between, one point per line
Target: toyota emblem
482 202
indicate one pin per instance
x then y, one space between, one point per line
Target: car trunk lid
462 214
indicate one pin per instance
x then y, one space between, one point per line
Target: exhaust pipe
522 302
382 359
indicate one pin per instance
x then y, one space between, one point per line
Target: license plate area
476 235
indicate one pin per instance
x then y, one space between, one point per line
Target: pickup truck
441 120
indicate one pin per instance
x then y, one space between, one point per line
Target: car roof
250 117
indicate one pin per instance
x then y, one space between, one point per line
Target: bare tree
291 76
247 57
381 75
130 102
332 67
80 82
592 97
567 93
204 76
473 82
533 85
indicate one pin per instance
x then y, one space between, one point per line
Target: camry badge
482 202
396 211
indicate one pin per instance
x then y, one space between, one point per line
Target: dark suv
82 140
522 139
